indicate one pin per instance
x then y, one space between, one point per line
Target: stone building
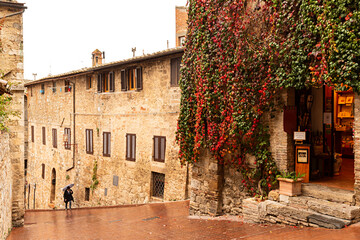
316 134
108 129
181 25
12 141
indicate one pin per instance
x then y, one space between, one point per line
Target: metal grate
158 184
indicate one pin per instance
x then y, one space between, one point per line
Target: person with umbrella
68 197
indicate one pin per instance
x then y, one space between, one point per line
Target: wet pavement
159 221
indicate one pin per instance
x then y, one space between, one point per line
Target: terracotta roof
111 64
12 4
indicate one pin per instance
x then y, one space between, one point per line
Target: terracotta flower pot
290 187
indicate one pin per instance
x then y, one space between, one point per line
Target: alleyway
158 221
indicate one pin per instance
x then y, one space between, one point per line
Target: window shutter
43 135
112 81
156 148
91 150
32 134
133 145
99 83
123 80
139 81
109 144
127 146
173 72
162 148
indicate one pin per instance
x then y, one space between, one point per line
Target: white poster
327 117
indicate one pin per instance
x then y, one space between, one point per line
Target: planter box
290 187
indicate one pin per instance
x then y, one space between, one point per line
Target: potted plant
290 183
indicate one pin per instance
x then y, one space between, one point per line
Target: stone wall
5 186
11 64
206 186
233 192
149 112
281 143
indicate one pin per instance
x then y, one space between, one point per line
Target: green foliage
5 111
236 61
291 175
94 180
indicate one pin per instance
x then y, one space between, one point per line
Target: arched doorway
53 185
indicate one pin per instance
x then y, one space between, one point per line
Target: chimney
181 17
97 58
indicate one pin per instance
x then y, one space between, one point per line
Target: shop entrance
326 116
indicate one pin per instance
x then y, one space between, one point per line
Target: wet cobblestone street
158 221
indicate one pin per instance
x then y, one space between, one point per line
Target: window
31 94
88 82
175 71
112 81
159 148
106 144
54 138
67 140
131 79
182 41
106 82
89 141
43 135
25 166
130 147
42 90
32 134
43 171
87 194
158 184
54 87
67 86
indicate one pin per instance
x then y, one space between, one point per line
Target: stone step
335 209
328 193
278 212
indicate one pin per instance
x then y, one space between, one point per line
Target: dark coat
68 196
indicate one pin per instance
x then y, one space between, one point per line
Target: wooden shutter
106 144
99 83
123 80
133 147
156 148
128 147
162 148
32 134
43 171
139 80
89 141
112 81
43 136
175 71
54 136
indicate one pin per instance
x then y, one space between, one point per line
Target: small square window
158 184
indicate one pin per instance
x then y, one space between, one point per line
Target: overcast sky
59 36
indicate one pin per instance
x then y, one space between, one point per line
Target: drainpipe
14 14
74 133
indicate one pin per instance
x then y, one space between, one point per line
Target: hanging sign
300 136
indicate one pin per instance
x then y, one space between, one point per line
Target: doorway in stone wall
53 185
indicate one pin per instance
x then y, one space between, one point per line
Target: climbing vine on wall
239 55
